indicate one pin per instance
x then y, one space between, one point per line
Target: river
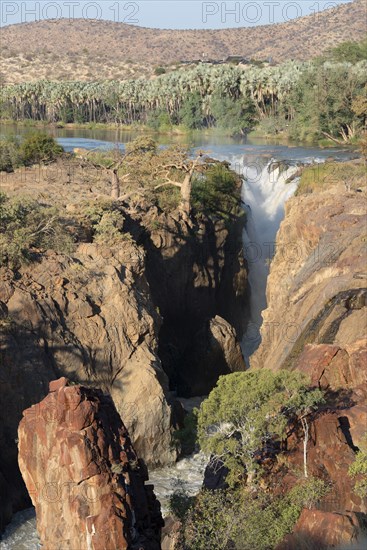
265 190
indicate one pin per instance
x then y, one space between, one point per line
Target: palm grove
313 100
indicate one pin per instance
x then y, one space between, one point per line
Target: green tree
39 147
159 120
191 114
350 52
248 411
323 101
237 115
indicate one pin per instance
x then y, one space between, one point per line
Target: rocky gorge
116 318
161 316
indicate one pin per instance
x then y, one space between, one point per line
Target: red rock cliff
83 475
316 322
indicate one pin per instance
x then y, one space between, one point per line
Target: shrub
39 147
358 470
308 492
10 157
186 436
214 192
240 519
159 70
27 228
106 222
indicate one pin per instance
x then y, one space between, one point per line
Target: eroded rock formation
215 351
196 272
315 277
91 318
83 474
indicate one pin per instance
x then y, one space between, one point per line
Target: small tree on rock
188 167
110 164
248 412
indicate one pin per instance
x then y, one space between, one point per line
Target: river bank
126 131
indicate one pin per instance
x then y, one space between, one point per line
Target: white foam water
187 473
264 193
21 534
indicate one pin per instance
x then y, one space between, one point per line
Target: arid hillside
89 50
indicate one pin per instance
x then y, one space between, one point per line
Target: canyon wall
197 272
316 322
316 275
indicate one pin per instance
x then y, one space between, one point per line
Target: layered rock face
91 318
315 277
316 322
83 474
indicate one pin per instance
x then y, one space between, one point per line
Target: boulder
215 350
83 474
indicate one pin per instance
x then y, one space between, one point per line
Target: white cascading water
265 190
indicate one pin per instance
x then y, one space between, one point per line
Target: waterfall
265 190
267 185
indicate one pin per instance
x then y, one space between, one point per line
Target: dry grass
351 175
90 50
61 183
16 68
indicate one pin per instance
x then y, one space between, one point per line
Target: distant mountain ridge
106 42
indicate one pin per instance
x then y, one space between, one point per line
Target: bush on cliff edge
27 228
242 519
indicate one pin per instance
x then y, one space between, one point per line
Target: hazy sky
173 14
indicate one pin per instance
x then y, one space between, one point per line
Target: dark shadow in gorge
195 273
